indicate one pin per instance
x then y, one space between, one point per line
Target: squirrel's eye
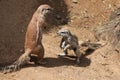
43 10
48 9
62 32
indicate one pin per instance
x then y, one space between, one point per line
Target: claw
62 54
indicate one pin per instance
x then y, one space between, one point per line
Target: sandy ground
102 64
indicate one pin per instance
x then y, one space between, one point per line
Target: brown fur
33 39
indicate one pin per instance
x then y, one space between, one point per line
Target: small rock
75 1
58 17
22 30
104 64
86 26
109 6
21 50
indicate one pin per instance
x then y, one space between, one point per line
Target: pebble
75 1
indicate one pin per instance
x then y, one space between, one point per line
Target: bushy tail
24 58
91 45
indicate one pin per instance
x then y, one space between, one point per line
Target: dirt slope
102 64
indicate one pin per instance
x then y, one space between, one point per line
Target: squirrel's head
64 32
45 10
